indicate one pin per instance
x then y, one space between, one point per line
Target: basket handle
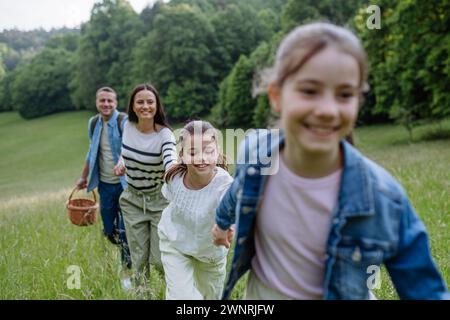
76 188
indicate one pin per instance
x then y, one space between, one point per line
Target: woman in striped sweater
148 150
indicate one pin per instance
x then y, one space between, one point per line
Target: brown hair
180 167
160 116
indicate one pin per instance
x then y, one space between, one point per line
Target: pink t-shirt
292 228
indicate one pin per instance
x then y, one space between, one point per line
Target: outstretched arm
119 169
412 269
222 232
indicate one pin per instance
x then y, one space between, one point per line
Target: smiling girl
194 267
319 226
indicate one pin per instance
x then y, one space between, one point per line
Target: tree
262 113
149 14
68 41
186 100
6 103
262 58
218 112
8 57
104 54
410 85
238 31
2 70
40 85
175 56
336 11
239 104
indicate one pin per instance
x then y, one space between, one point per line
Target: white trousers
188 278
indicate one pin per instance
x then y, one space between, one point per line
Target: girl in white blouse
194 267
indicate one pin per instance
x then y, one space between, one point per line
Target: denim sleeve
124 120
90 139
412 269
226 211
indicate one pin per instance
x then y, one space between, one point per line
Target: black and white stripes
147 157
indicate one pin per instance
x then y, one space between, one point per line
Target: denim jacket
372 223
115 140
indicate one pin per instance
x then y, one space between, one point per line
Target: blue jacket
115 140
373 223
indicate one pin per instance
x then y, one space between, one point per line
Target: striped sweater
146 157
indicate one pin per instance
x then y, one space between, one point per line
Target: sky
33 14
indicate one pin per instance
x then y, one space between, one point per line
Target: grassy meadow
42 158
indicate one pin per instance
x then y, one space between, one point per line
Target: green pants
141 213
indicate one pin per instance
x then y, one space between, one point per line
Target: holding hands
119 169
222 237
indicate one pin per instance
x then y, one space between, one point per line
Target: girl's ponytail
178 168
222 161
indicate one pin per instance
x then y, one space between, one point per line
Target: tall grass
42 158
41 155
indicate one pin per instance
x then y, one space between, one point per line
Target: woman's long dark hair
160 116
181 168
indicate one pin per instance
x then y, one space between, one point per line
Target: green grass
41 155
42 159
423 168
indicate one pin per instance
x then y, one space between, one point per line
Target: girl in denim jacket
330 216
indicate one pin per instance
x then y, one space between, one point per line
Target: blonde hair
304 42
106 89
180 168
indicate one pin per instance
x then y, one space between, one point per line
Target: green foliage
41 85
175 56
16 45
262 112
238 31
187 48
104 53
186 101
269 23
23 40
206 6
68 42
409 85
218 112
149 14
2 70
6 103
9 57
236 94
294 13
336 11
239 102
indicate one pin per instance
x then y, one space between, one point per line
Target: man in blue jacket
105 136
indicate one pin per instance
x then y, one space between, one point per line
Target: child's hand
119 169
222 237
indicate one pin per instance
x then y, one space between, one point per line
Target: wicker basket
82 212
